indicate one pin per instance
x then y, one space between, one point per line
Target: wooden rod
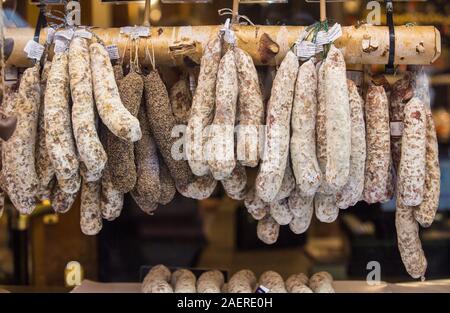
323 10
235 11
267 45
147 11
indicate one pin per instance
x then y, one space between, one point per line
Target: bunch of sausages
161 280
318 145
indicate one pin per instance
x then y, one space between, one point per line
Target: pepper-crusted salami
18 161
110 108
44 167
378 145
277 136
58 127
202 110
90 208
147 163
161 121
411 175
168 189
121 153
302 209
353 189
303 124
221 159
250 110
201 188
257 208
401 93
268 230
235 184
338 123
408 241
181 100
88 144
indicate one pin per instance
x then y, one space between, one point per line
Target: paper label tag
228 34
66 34
83 33
50 35
113 51
322 38
305 49
396 129
334 32
11 73
34 50
61 45
135 31
262 289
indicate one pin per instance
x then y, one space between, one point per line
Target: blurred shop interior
218 232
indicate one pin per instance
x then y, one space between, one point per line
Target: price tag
334 32
50 35
34 50
83 33
322 38
396 129
305 49
135 31
61 45
113 51
228 34
66 34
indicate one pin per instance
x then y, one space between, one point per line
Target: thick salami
302 209
202 110
401 93
303 124
298 283
276 148
221 158
338 123
235 184
268 230
426 211
378 157
279 210
44 167
121 153
201 188
58 126
162 122
87 141
353 189
110 108
18 161
91 217
411 174
250 110
183 281
210 282
325 208
61 201
321 282
243 281
272 281
408 240
257 208
157 280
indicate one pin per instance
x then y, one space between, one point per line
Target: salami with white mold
276 148
235 184
90 208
